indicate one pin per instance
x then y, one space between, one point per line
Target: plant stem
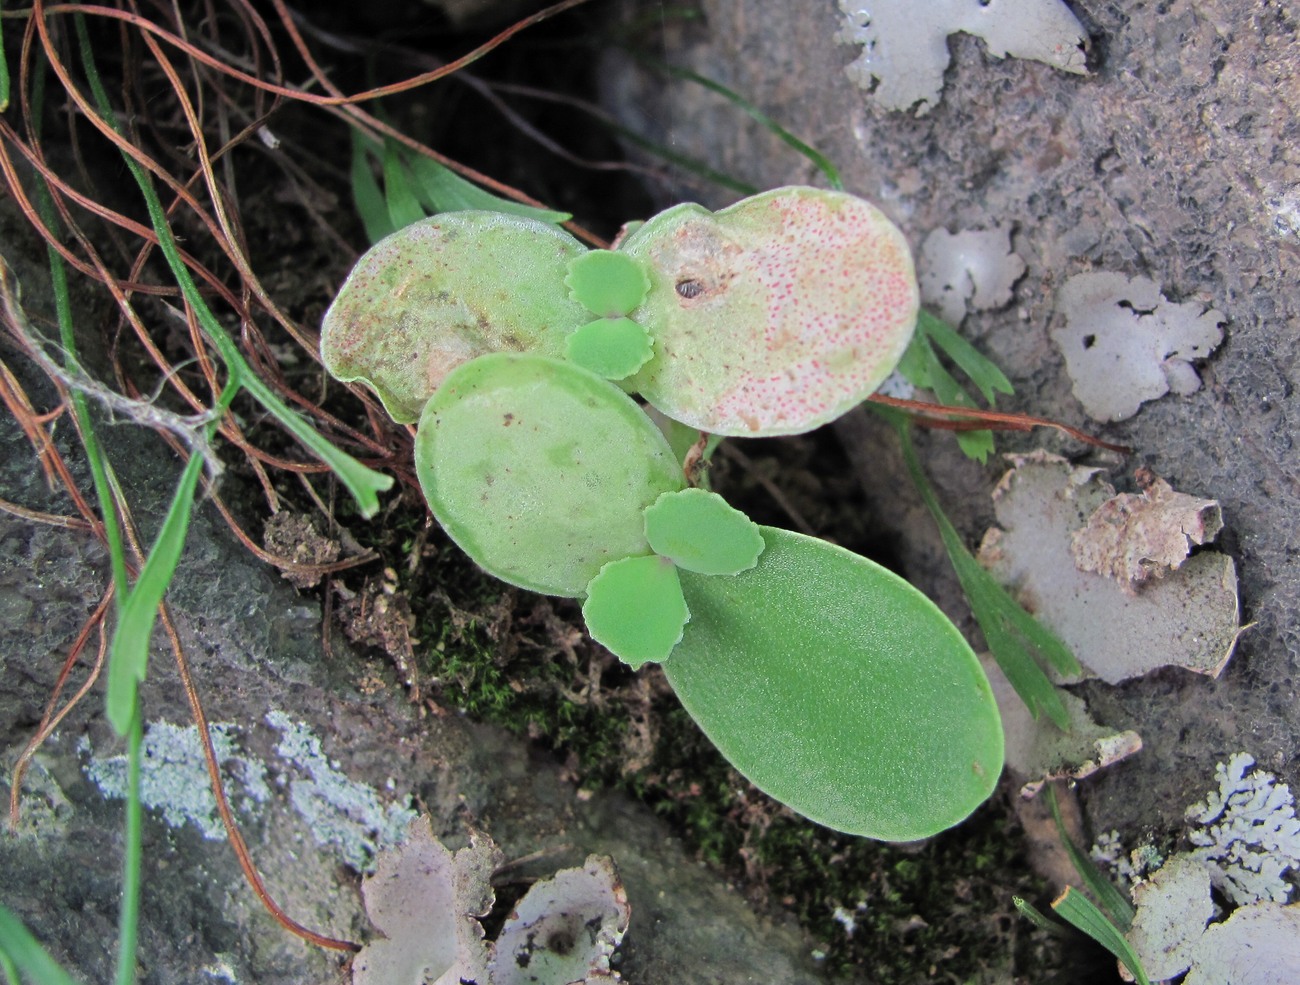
129 914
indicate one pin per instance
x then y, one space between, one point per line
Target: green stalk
80 408
21 952
128 921
4 66
364 484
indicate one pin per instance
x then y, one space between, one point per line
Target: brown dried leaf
1132 538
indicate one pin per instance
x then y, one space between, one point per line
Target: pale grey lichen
1125 343
971 269
1129 867
174 777
1250 837
341 812
905 44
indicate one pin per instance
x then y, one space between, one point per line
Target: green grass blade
1038 918
24 953
4 66
1114 903
820 160
132 841
446 191
362 483
68 341
983 372
999 616
1081 912
128 656
399 191
366 194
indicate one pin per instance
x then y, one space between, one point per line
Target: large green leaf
839 689
540 470
446 289
772 316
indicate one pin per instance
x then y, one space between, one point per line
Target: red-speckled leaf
775 315
444 290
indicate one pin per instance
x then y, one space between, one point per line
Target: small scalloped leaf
699 531
614 348
607 283
840 690
635 608
775 315
444 290
540 470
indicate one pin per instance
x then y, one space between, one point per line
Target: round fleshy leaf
700 532
635 608
440 292
614 348
607 283
540 470
775 315
839 689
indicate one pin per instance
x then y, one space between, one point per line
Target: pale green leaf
614 348
840 690
700 532
540 470
606 283
635 608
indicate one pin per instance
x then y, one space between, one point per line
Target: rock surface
1177 158
326 753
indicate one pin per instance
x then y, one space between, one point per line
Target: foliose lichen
1250 837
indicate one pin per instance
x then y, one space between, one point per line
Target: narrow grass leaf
1081 912
1038 918
362 483
129 654
366 193
4 67
399 192
1006 626
1114 903
446 191
24 953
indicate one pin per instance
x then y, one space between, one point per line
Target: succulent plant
830 682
